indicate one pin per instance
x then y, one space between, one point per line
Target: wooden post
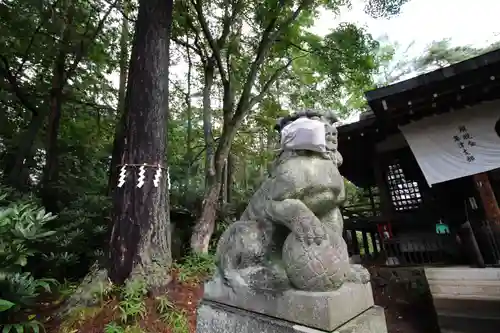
355 243
372 201
374 241
471 244
384 195
365 244
488 199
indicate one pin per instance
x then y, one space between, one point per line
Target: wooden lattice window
405 194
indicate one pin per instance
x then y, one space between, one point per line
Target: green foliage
5 305
195 267
132 304
77 317
29 326
115 328
175 318
23 225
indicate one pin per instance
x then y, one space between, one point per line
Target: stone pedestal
243 310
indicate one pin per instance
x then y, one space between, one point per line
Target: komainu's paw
309 230
268 278
358 274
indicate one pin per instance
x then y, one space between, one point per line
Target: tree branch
187 45
268 37
122 11
276 75
6 72
30 44
214 45
83 47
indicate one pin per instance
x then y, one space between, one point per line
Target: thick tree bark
140 239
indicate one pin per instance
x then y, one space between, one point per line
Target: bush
22 226
81 230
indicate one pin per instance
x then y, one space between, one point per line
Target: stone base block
321 310
219 318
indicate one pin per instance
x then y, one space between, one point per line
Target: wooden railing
406 250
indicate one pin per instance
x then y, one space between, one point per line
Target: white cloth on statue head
304 134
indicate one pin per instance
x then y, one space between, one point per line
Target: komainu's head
329 119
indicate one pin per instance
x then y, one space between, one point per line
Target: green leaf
7 328
5 305
19 328
35 326
21 261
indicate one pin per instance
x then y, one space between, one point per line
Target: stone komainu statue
290 234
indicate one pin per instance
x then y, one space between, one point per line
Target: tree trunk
140 238
229 177
207 121
205 226
120 116
49 192
50 172
189 111
245 174
223 187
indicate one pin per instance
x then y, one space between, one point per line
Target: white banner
456 144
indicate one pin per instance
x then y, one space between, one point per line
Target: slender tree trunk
49 192
189 111
245 174
207 121
140 239
223 188
229 177
50 172
118 139
205 226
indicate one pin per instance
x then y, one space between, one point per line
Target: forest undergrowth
129 309
38 256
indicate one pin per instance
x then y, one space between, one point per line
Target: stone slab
321 310
219 318
466 299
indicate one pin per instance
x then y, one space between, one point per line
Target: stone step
466 300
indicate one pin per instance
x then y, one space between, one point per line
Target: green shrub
22 226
